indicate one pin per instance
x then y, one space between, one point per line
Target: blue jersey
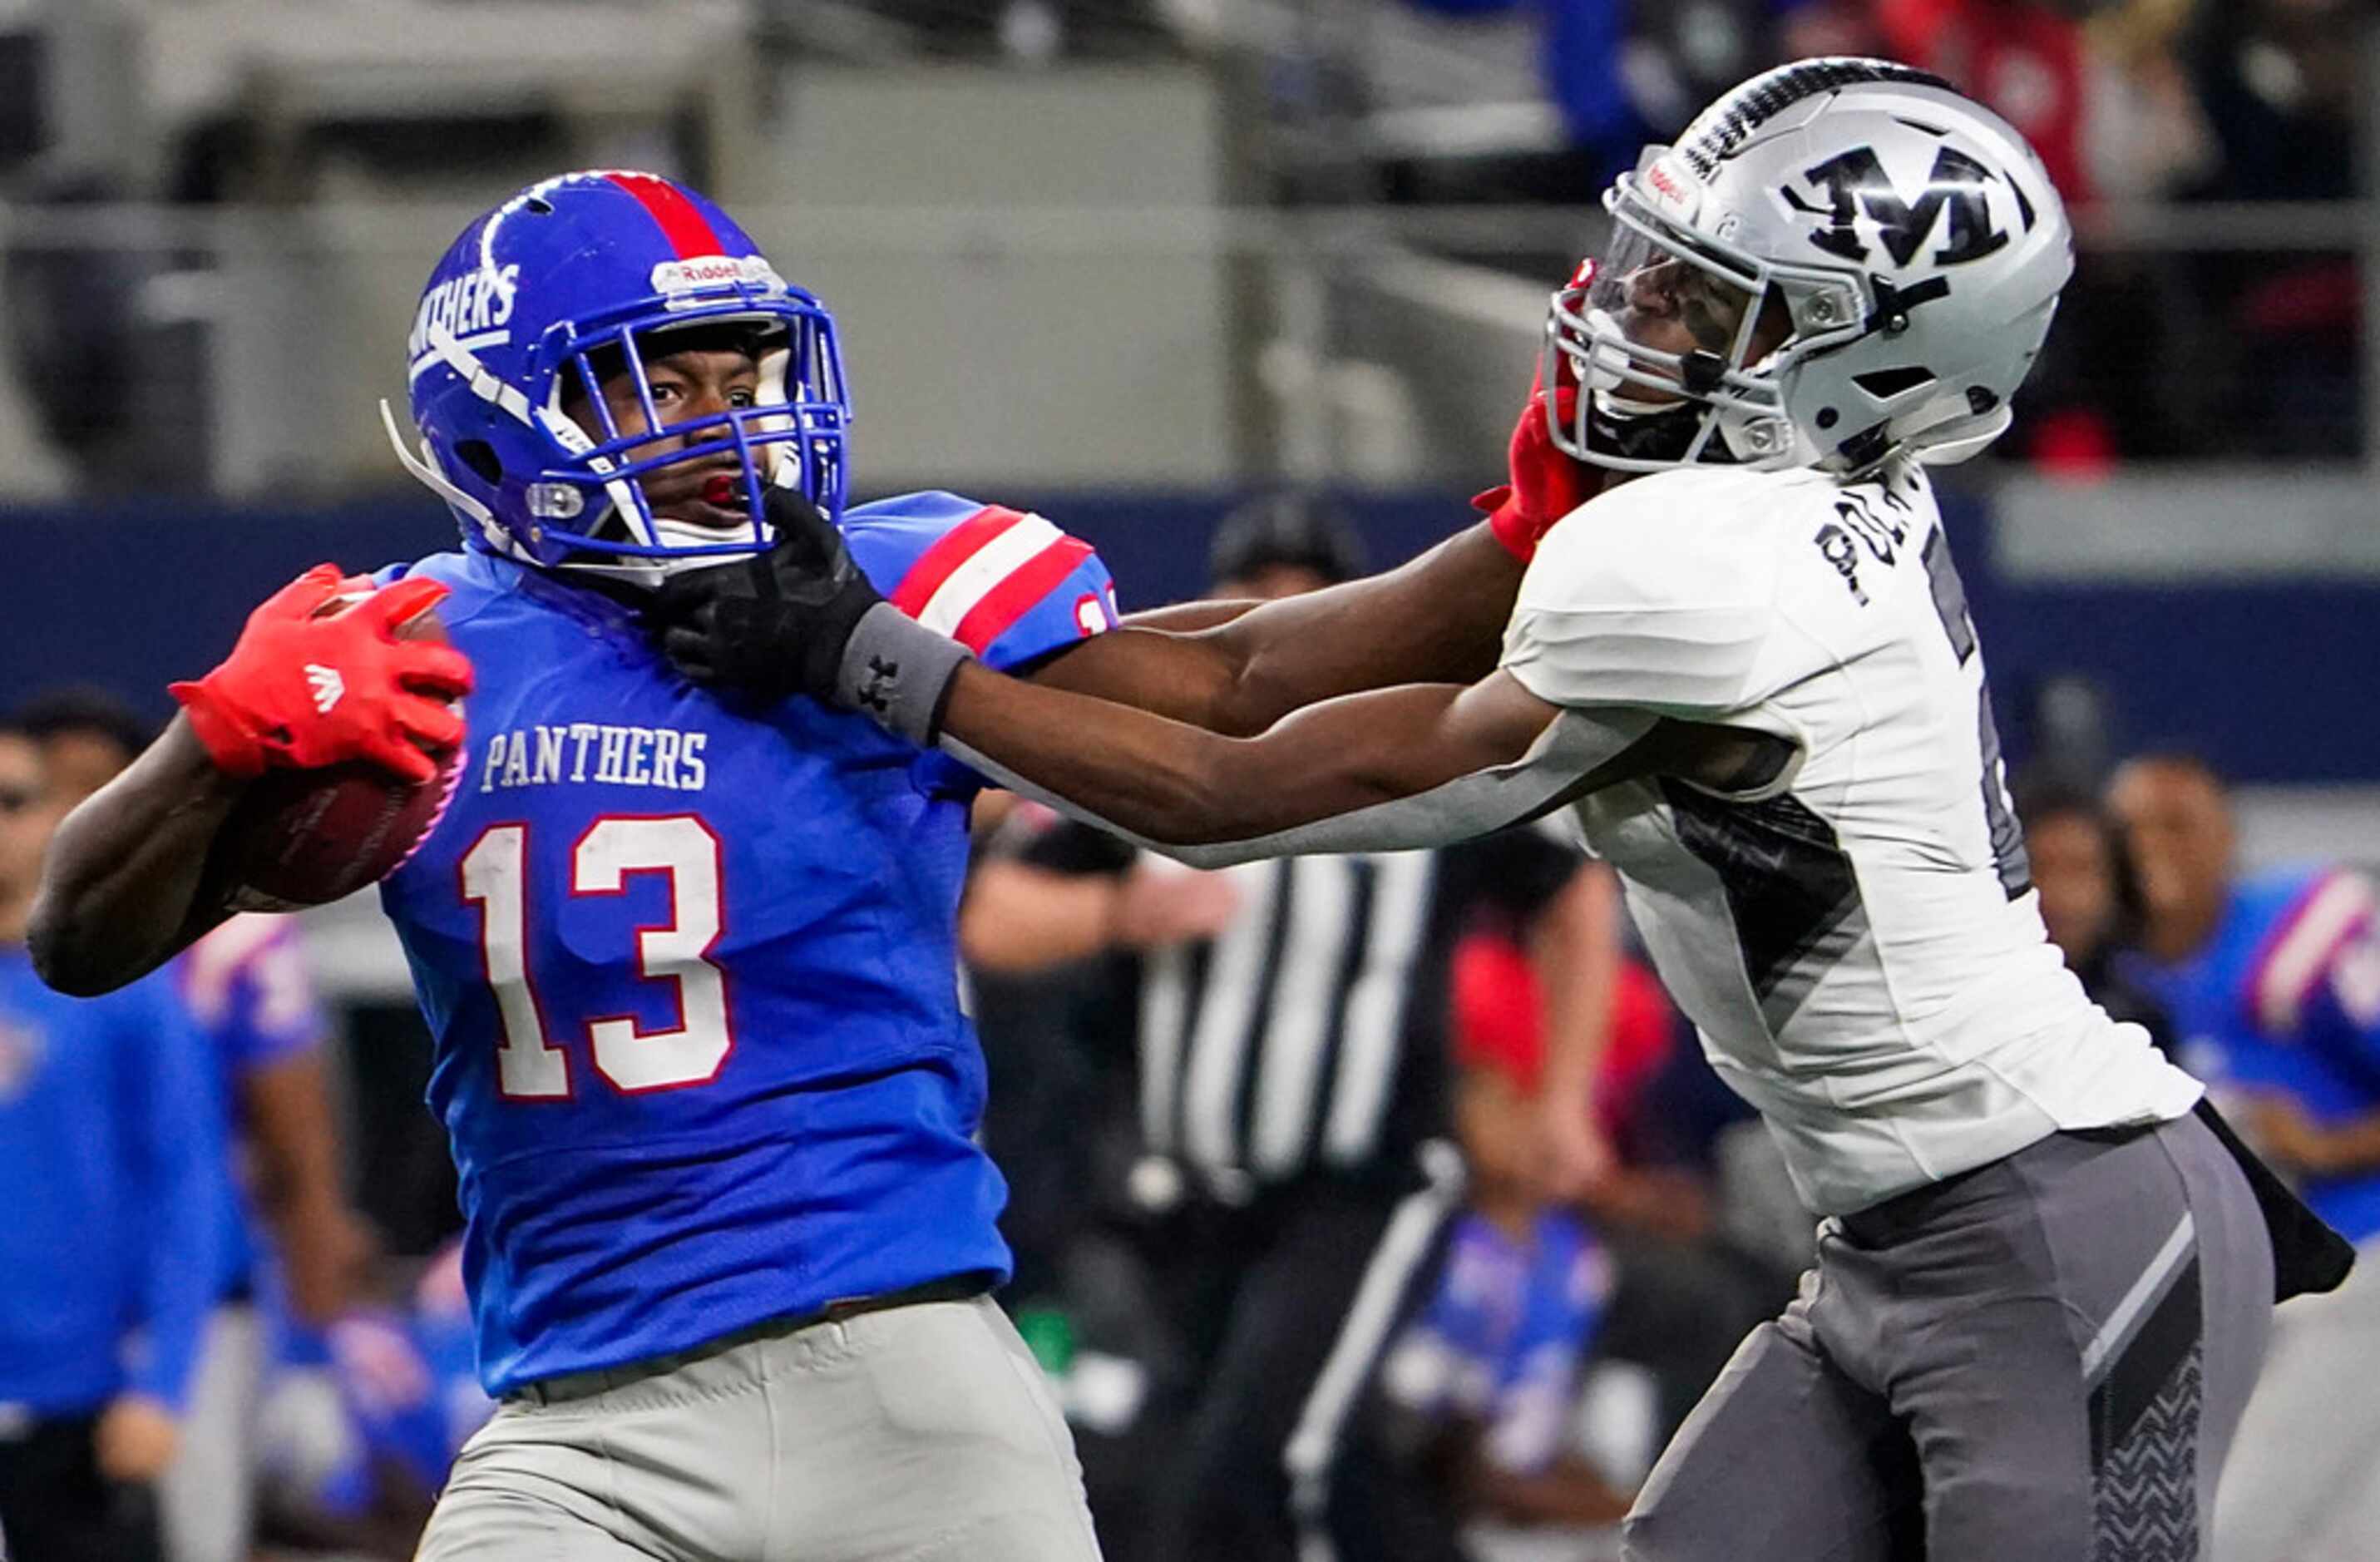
691 964
113 1164
2285 997
247 986
1500 1339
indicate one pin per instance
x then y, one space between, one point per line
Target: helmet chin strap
1643 431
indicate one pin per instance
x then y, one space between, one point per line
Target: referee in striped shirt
1291 1030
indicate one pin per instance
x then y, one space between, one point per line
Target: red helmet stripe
681 222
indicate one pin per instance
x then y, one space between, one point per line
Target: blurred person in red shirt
2025 59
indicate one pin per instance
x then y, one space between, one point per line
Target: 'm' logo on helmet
1854 186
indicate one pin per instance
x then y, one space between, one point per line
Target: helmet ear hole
1886 383
481 457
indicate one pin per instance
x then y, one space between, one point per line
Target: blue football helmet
586 274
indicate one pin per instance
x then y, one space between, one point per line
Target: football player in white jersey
1747 668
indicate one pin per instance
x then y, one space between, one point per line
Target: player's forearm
1438 618
120 885
1174 785
1236 669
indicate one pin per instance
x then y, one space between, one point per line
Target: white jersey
1857 942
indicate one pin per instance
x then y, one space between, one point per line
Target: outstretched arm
1417 766
792 621
1438 618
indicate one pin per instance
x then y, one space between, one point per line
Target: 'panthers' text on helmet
585 275
1910 238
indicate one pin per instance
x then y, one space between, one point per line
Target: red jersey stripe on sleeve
688 231
952 549
1015 596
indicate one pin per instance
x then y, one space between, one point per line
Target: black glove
802 619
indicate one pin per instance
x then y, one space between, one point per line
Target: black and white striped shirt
1311 1033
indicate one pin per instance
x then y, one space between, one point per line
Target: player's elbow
1258 693
64 961
68 938
1198 803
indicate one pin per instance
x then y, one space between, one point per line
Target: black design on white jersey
1792 892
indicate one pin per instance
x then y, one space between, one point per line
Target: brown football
307 837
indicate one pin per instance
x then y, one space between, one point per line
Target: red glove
304 689
1545 484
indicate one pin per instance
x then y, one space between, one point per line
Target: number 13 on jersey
529 1065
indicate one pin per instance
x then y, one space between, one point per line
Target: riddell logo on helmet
715 271
1672 188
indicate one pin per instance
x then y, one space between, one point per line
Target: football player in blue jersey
689 962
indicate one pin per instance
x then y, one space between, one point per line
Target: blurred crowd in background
2204 147
229 1289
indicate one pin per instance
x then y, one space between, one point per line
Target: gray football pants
2040 1361
925 1434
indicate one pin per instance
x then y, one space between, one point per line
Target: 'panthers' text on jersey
1856 941
690 963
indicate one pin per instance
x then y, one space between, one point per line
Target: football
307 837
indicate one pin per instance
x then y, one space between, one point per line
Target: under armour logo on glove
880 677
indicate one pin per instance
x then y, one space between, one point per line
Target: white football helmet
1910 236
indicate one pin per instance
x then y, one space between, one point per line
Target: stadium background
1129 261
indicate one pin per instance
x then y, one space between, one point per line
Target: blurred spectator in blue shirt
112 1158
2273 981
247 990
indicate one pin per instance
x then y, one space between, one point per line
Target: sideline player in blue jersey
689 963
112 1158
2273 980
